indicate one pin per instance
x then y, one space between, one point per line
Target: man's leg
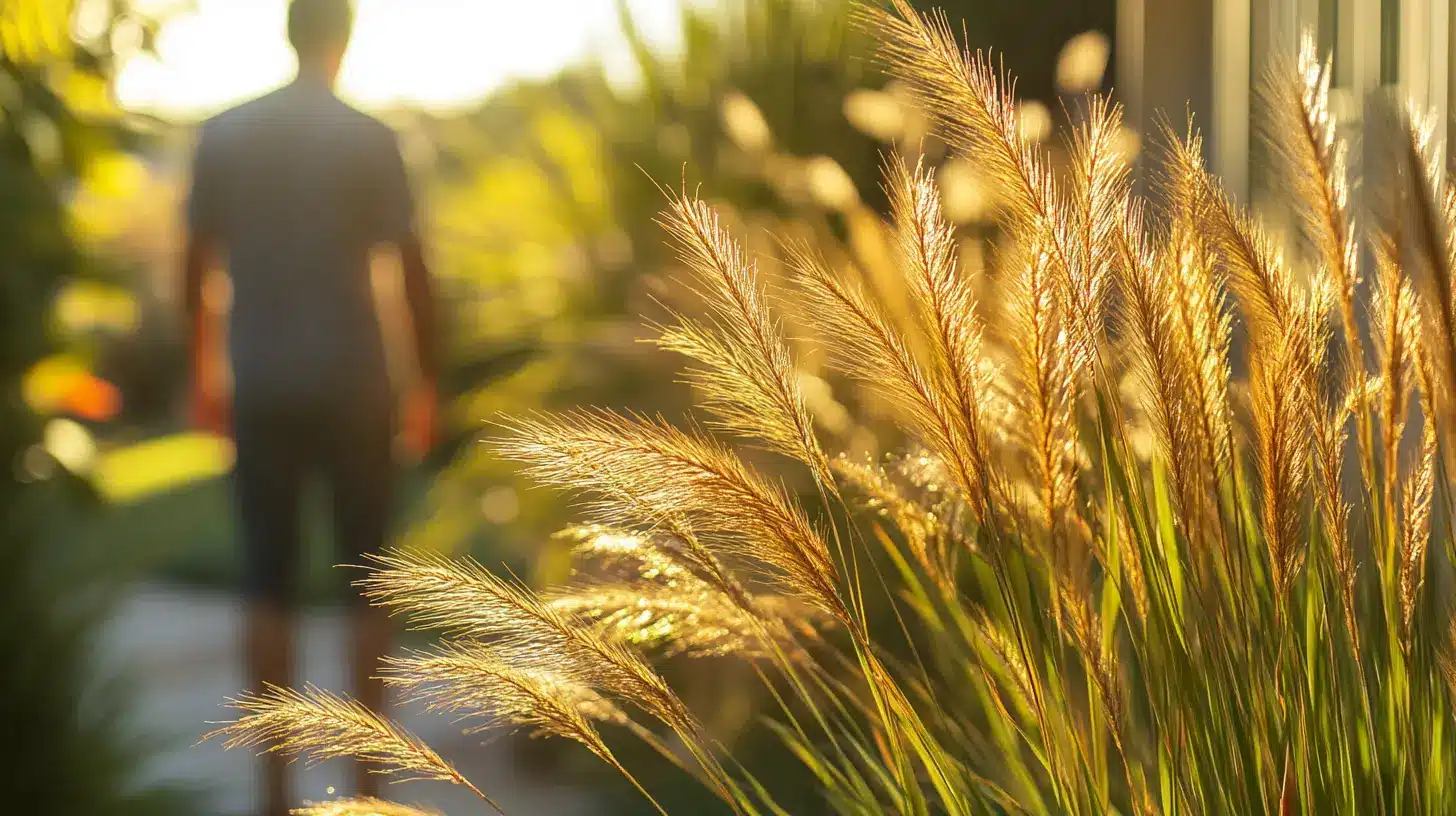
360 467
269 654
370 643
268 481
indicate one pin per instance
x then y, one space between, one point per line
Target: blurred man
291 193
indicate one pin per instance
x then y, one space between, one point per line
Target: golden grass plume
320 725
468 601
746 375
640 471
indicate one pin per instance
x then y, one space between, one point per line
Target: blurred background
537 134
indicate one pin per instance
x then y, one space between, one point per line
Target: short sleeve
204 201
391 204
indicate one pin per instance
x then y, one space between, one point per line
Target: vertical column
1229 127
1415 51
1449 43
1165 66
1128 72
1425 63
1364 44
1438 40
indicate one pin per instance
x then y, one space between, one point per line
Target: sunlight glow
436 54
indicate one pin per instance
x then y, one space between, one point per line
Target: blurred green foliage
73 751
544 202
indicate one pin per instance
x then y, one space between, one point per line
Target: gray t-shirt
297 187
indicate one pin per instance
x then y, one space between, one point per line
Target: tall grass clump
1123 579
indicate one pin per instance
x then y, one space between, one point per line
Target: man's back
290 193
297 187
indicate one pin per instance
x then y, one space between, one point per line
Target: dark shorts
279 449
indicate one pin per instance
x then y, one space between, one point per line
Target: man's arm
422 403
200 256
395 224
196 261
209 408
419 293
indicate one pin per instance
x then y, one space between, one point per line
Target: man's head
319 32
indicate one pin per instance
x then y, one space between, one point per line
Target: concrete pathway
181 649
